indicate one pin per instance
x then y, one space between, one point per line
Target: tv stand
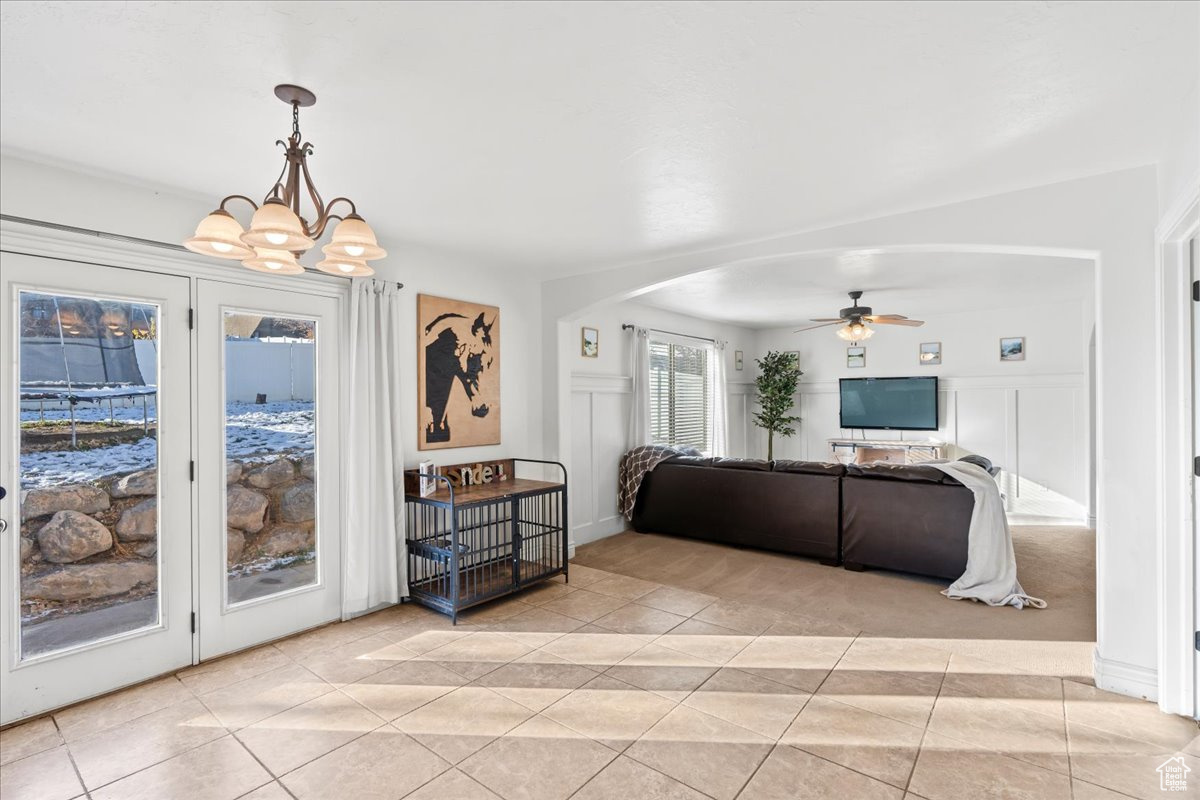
890 451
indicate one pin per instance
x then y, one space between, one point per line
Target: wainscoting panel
599 427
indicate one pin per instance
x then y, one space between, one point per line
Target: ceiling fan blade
827 319
912 323
877 317
822 325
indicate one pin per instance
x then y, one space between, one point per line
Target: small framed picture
856 357
590 347
796 358
737 360
931 354
1012 348
428 485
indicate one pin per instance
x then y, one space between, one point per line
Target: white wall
112 204
1030 417
600 400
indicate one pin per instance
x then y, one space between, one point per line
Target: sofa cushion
742 463
810 468
899 472
689 461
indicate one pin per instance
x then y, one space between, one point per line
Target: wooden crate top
487 491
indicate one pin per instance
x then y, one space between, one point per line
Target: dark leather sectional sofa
905 518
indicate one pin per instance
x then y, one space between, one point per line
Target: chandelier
278 234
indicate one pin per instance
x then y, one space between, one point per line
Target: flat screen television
896 404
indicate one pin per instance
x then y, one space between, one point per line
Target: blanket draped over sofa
991 574
633 468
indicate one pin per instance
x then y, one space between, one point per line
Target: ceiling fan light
855 332
277 262
275 226
353 238
345 267
219 235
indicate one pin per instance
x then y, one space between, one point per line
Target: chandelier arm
253 204
319 207
327 217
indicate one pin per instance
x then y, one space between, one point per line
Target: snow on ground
91 412
252 433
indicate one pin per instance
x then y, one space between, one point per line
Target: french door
169 451
269 486
95 556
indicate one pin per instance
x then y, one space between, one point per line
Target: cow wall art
458 373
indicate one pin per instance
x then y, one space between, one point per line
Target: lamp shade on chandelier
278 233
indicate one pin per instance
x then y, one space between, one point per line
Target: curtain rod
626 327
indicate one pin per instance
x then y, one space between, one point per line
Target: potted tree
778 375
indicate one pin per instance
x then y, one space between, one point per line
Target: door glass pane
88 467
270 480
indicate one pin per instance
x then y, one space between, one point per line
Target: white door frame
1176 541
102 249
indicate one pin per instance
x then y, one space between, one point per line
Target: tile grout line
925 734
71 758
778 741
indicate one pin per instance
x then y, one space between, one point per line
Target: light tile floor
607 687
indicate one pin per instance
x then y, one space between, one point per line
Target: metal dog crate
471 544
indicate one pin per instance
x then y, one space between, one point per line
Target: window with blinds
679 412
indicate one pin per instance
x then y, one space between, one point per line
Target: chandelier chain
296 120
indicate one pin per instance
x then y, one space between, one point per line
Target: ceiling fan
856 321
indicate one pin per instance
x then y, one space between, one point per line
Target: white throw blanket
991 575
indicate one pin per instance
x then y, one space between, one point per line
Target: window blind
679 412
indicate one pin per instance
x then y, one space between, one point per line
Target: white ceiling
563 137
917 285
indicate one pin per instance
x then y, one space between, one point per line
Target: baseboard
1122 678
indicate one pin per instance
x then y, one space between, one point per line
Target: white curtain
375 555
639 412
719 429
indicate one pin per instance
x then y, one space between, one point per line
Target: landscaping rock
88 581
71 536
245 509
276 473
147 549
298 503
283 539
308 466
27 549
233 472
235 543
139 523
136 484
81 497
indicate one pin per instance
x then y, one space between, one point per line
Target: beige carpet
1057 564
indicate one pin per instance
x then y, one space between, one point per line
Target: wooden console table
891 451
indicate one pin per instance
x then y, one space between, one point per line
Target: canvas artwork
931 353
458 373
1012 348
590 347
856 357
